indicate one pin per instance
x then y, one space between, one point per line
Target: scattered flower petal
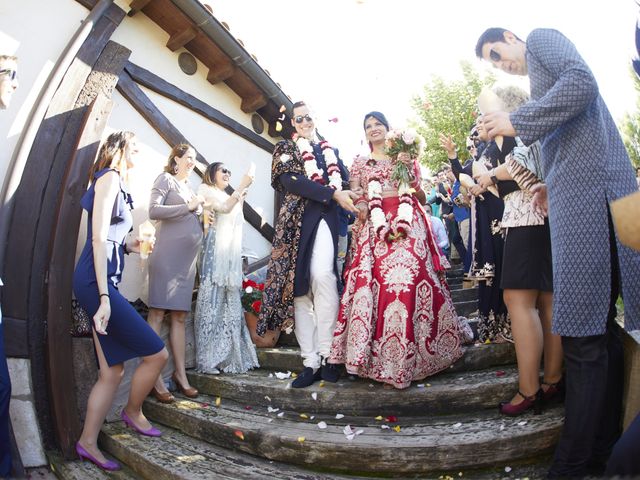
428 384
282 375
420 385
218 401
312 417
247 407
281 414
507 469
270 420
359 432
278 127
339 416
321 383
522 423
239 434
283 108
487 341
272 410
334 120
322 425
385 427
301 439
371 385
271 375
397 428
379 417
501 427
314 395
459 474
391 418
304 415
205 405
500 373
267 398
457 425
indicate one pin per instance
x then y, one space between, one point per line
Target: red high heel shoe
533 401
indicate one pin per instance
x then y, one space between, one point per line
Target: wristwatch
492 174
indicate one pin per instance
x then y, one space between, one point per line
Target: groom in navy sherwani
585 166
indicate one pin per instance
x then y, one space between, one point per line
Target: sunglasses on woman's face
10 72
300 118
495 56
225 171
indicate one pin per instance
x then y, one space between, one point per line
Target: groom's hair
494 34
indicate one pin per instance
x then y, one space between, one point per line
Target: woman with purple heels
119 332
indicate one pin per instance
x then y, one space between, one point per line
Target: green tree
631 126
448 107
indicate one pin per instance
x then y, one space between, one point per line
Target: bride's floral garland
401 225
311 167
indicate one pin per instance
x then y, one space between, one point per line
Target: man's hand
477 190
540 200
484 180
498 123
345 199
446 142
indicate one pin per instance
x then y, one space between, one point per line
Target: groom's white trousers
317 311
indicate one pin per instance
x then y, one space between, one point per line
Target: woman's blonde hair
113 154
512 97
177 151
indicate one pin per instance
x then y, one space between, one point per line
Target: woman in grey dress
223 341
172 266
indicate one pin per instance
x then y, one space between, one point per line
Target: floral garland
311 167
401 225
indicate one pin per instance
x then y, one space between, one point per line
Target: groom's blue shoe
306 378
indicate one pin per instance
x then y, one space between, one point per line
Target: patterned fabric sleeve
523 177
286 159
574 88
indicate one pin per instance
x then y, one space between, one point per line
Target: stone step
79 470
476 357
419 445
442 393
178 456
464 294
465 309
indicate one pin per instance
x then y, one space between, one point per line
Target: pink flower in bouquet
409 136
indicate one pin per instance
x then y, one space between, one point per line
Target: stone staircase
257 426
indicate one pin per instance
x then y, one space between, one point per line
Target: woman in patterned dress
396 322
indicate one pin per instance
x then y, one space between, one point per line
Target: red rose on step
256 306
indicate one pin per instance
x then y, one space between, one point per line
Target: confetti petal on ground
339 416
278 127
397 428
267 398
281 414
379 417
272 410
500 373
457 425
218 401
239 434
301 439
314 395
321 383
312 417
270 420
205 405
501 427
322 425
385 427
391 418
282 375
420 385
359 432
507 469
459 474
304 415
347 430
371 385
270 376
247 407
523 423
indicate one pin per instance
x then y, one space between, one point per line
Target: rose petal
457 425
500 373
218 401
397 428
278 127
301 439
507 469
281 414
391 418
267 398
239 434
379 417
314 395
322 425
523 423
304 415
339 416
272 410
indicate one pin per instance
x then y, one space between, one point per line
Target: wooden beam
180 39
253 103
161 124
137 5
166 89
220 72
34 213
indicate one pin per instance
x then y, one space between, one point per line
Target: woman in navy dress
119 332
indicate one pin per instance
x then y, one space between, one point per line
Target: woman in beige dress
172 267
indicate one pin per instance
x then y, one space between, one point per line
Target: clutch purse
80 321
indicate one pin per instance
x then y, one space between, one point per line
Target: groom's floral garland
311 167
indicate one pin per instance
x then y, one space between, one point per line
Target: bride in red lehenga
396 322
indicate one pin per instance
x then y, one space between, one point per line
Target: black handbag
80 321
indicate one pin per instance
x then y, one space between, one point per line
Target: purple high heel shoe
109 465
151 432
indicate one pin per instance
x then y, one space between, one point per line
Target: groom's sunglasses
301 118
495 56
10 72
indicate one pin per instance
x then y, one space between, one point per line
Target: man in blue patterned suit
585 166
